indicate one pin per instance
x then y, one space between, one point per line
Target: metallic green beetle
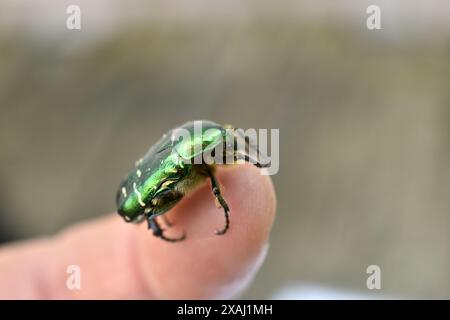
168 171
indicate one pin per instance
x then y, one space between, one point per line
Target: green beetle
174 166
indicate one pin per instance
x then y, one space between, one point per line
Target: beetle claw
181 238
159 232
221 232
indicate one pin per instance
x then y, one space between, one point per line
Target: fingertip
206 265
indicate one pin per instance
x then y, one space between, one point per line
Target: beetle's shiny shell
163 164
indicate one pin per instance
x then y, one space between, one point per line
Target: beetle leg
159 232
256 163
167 222
247 150
218 196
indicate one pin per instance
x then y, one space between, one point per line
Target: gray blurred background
364 119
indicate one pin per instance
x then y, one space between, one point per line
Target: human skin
119 260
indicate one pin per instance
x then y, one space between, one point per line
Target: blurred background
364 119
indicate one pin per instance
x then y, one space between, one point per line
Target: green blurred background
364 119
